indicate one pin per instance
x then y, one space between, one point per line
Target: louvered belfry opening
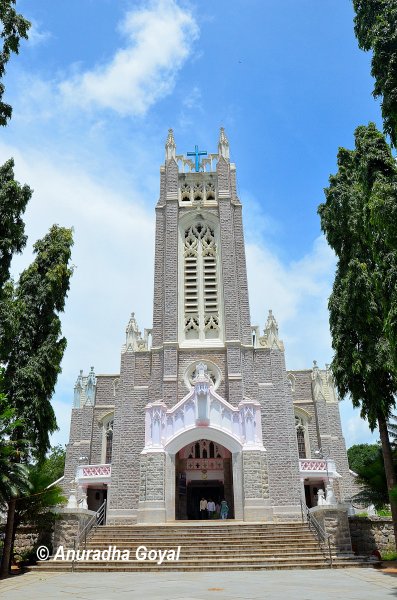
200 282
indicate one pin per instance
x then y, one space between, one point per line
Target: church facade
203 405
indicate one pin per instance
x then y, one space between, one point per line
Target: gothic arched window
212 450
301 436
201 302
197 450
109 442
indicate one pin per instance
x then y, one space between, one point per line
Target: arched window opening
197 450
212 450
301 436
109 442
200 283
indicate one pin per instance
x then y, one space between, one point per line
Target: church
203 405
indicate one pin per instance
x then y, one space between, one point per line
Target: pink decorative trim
315 464
96 471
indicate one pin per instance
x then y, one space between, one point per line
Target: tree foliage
360 454
33 507
376 30
34 347
13 200
14 27
53 465
14 475
363 360
364 364
372 479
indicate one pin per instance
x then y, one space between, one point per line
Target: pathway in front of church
349 584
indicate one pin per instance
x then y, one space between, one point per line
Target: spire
223 144
132 332
317 381
134 339
270 337
78 388
170 146
90 388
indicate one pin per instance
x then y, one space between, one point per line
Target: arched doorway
203 469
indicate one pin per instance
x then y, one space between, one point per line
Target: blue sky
94 92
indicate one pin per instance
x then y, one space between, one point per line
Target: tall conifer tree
376 30
363 364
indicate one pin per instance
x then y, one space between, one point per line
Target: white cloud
160 37
36 35
113 255
297 293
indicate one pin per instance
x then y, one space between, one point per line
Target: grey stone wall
128 437
69 525
278 426
371 533
152 477
255 477
334 522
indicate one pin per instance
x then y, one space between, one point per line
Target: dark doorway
196 490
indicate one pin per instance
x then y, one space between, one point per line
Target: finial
90 388
270 338
223 145
170 146
134 339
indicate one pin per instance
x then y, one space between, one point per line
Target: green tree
33 349
53 466
363 363
14 475
13 201
360 454
376 30
35 507
372 479
14 27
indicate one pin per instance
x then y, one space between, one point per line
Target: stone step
260 547
208 527
207 567
210 553
188 540
210 547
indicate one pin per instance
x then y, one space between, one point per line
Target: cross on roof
197 153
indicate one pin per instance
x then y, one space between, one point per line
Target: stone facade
371 533
334 522
203 373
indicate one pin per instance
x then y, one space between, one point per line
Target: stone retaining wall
371 533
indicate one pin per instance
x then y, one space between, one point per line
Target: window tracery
200 282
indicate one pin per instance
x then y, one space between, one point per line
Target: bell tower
201 293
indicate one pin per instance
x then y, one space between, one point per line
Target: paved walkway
341 584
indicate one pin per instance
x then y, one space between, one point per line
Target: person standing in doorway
211 508
203 508
224 509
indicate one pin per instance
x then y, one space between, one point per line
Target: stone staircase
207 546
